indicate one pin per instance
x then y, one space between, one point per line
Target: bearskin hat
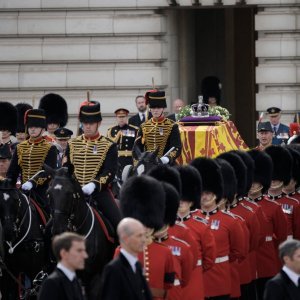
8 117
263 168
21 109
191 185
239 169
229 178
167 174
296 163
210 171
282 163
143 198
90 112
172 203
248 161
56 109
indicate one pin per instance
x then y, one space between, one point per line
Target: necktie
139 276
143 118
274 129
77 289
299 283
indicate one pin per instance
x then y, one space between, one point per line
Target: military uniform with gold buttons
95 162
161 133
124 136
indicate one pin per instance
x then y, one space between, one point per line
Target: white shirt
130 258
291 274
70 274
141 115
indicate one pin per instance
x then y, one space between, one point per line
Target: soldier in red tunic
276 223
228 234
143 198
188 215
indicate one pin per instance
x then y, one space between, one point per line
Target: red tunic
206 254
296 223
230 242
276 232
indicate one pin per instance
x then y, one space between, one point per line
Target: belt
158 293
199 262
124 153
176 282
269 238
221 259
290 237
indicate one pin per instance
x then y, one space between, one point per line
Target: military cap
210 171
143 198
5 152
172 203
8 117
56 109
90 112
264 126
167 174
21 109
63 133
273 111
157 99
35 118
282 163
191 184
121 112
263 168
229 178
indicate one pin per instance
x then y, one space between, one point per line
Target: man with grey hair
286 284
122 278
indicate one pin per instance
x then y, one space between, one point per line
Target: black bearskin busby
35 118
191 185
5 152
143 198
210 171
229 178
21 109
239 169
56 109
8 117
172 203
263 168
296 163
210 87
282 163
90 112
167 174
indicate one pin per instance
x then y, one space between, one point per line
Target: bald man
178 104
122 278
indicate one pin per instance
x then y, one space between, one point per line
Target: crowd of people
207 230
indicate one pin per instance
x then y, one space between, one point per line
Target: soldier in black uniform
30 155
159 132
62 136
95 160
124 136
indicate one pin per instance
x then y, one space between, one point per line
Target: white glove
165 160
27 186
89 188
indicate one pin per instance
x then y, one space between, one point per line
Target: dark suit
120 282
281 287
58 287
136 120
172 117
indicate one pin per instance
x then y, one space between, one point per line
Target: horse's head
147 160
65 195
10 209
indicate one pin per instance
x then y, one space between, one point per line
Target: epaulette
252 202
135 127
181 224
237 216
247 207
228 213
179 240
108 139
199 219
296 200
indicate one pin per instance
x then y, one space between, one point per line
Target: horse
71 212
22 235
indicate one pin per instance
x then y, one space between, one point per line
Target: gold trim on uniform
124 153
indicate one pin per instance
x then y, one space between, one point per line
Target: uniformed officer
21 133
265 135
280 131
30 156
56 110
94 158
159 132
124 136
62 136
5 157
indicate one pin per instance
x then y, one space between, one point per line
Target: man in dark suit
143 114
122 278
178 104
286 284
62 283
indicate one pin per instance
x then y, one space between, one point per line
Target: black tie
143 118
77 289
274 129
299 283
139 276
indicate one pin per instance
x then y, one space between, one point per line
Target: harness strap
39 210
98 217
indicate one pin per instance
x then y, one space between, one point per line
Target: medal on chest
161 131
